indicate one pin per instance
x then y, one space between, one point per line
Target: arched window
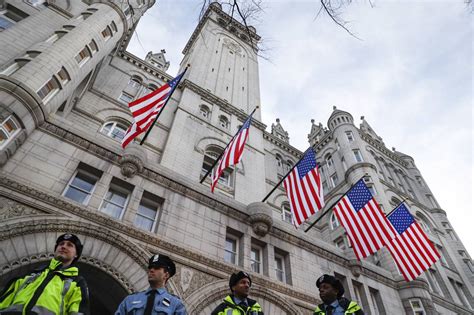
279 160
8 129
223 122
150 88
333 221
210 155
328 159
423 223
114 130
289 164
286 212
135 82
205 111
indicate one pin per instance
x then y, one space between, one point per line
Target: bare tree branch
333 13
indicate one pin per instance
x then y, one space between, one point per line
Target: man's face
327 293
157 276
242 288
65 252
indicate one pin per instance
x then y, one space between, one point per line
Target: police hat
333 281
162 261
72 238
236 277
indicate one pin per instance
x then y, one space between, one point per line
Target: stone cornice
285 146
224 105
142 64
367 138
450 305
318 146
227 19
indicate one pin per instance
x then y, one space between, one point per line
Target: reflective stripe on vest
41 310
67 285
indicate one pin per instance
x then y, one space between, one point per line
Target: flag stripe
364 221
146 109
233 153
303 188
411 248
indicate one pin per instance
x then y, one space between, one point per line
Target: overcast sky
410 76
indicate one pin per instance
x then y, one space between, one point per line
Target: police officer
155 300
238 302
331 292
54 289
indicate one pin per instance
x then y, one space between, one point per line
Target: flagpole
332 206
283 178
217 160
164 105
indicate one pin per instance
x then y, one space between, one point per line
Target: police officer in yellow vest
53 290
331 292
238 302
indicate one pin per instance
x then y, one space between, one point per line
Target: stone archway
212 294
112 265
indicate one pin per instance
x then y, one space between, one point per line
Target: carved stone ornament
260 218
10 209
191 280
234 47
130 165
355 267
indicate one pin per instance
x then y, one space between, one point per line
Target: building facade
65 81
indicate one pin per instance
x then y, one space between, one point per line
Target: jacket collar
55 265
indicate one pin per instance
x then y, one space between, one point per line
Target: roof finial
334 107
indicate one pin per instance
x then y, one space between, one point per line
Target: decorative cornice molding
224 105
367 138
285 146
144 65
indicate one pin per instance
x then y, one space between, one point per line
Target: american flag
411 249
367 227
233 152
303 188
145 109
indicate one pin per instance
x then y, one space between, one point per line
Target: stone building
65 81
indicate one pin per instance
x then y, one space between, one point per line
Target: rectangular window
417 307
48 89
358 156
256 259
282 265
443 260
83 56
106 33
10 16
360 295
459 289
114 26
372 189
377 303
340 243
419 180
433 281
147 212
280 268
231 249
8 128
125 98
286 213
116 199
350 136
93 47
63 76
81 186
334 180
